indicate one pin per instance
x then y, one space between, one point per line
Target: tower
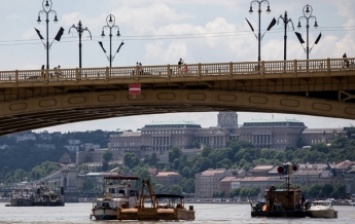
227 120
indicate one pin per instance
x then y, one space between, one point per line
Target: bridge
32 99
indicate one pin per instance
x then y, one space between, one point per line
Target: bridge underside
39 112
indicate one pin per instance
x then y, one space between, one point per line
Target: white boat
119 192
322 209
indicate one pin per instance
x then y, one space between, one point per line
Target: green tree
142 172
108 155
188 185
174 153
206 151
175 189
152 159
224 163
105 165
320 147
130 160
201 164
234 193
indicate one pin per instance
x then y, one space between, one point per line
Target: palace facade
273 133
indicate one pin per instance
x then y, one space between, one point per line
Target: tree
206 151
108 155
176 164
186 172
130 160
175 189
105 165
234 193
152 159
188 185
320 147
201 164
174 153
224 163
142 172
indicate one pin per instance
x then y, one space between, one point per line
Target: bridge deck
159 73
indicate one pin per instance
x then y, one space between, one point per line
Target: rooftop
278 120
164 174
170 123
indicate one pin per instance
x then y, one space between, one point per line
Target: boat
155 207
352 200
35 195
119 192
45 196
322 209
286 201
22 197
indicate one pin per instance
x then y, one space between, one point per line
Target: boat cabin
288 199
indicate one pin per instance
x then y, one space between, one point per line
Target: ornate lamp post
110 20
307 15
80 31
259 36
47 9
285 20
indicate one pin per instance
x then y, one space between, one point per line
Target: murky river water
79 213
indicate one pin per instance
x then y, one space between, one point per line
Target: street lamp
307 15
47 9
273 22
80 31
286 20
110 20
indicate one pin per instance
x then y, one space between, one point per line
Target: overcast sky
159 32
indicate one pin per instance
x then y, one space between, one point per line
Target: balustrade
263 68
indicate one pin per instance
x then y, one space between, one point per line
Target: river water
79 213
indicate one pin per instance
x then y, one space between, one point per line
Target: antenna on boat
287 169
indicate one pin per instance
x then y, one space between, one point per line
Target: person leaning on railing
346 61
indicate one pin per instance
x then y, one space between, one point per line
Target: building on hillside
46 146
227 184
24 136
262 183
168 178
311 177
207 182
306 175
126 141
260 170
346 169
73 145
274 133
321 135
162 136
349 179
89 146
271 133
213 137
95 156
45 136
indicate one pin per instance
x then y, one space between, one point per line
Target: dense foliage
243 155
19 158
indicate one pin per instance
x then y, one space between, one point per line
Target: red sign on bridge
134 89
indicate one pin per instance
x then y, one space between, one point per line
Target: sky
159 32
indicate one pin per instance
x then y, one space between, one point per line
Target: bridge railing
264 68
